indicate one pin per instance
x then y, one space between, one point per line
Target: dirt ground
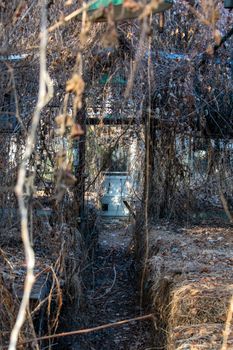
110 294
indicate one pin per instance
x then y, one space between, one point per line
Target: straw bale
191 274
202 301
207 336
197 275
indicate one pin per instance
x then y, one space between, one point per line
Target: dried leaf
69 3
63 121
60 119
210 50
69 121
76 131
60 159
85 32
19 10
69 179
217 36
75 85
132 5
110 38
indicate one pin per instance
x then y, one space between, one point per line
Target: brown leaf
76 131
110 38
75 85
132 5
69 121
69 179
60 159
69 3
63 121
217 36
205 270
210 50
60 119
19 10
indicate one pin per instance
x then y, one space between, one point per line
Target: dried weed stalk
45 94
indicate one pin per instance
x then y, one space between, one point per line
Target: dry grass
198 337
57 265
200 302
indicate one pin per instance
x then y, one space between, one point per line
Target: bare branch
70 16
94 329
45 94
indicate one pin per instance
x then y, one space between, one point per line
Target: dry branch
45 94
70 17
94 329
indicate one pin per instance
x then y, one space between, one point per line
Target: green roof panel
120 12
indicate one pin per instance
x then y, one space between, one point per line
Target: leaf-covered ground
110 294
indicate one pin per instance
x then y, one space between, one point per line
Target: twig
223 40
215 47
147 173
225 205
70 16
59 299
5 258
17 114
111 149
224 200
137 60
108 290
90 330
45 94
227 329
19 22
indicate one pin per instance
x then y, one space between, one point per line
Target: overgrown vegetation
80 98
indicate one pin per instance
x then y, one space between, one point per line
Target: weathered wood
39 291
